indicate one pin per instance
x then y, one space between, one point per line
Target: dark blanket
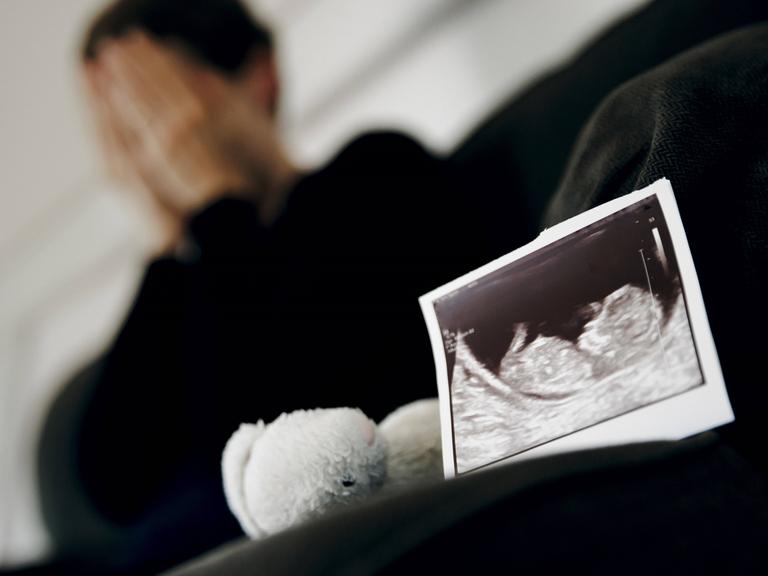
671 508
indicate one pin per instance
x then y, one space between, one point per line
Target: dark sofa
674 508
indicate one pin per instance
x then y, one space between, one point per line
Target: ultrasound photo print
584 330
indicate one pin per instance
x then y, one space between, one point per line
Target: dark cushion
667 506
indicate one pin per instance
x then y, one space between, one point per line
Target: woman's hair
221 33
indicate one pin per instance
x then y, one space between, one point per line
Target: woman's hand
177 129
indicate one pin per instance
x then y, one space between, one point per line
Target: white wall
67 260
71 250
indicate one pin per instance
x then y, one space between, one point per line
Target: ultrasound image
590 328
553 387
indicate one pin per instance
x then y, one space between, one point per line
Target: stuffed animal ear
236 454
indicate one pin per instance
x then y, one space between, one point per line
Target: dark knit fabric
700 120
516 158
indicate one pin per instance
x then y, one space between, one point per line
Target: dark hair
221 33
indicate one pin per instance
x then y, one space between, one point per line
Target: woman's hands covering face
179 133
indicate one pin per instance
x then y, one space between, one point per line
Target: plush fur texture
415 446
311 461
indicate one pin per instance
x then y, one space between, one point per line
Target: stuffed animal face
301 465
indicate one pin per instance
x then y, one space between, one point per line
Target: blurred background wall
71 250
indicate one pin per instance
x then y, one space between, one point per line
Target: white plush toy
310 461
